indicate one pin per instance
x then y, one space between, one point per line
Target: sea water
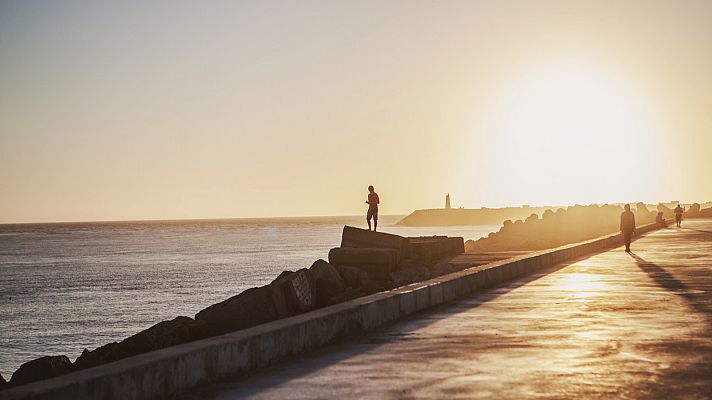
66 287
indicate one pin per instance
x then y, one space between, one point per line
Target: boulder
252 307
101 355
385 258
371 285
293 293
356 237
410 275
470 246
41 368
282 275
432 248
410 263
164 334
348 294
327 281
3 383
353 276
443 268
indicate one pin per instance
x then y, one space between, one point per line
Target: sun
570 132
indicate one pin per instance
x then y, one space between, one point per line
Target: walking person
627 226
372 202
678 214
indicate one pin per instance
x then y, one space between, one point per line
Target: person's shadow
689 374
667 280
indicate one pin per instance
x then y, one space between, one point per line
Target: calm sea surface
66 287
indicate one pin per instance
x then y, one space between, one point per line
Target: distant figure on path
678 214
660 219
627 226
372 202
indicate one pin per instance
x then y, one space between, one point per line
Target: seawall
166 372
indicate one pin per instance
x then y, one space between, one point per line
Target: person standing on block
372 202
678 215
627 226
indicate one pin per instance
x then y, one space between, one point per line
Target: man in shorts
678 214
372 202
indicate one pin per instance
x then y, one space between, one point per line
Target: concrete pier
611 325
172 371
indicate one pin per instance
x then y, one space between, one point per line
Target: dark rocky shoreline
365 263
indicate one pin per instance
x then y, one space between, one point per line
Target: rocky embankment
365 263
467 216
694 211
557 228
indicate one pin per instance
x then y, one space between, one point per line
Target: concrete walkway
611 325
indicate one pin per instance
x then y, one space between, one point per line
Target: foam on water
66 287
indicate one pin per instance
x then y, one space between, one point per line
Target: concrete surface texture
612 325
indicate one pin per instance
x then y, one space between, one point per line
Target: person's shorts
372 214
678 217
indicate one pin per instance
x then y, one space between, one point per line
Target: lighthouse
447 201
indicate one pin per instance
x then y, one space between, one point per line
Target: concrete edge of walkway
169 371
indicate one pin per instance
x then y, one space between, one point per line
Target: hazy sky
114 110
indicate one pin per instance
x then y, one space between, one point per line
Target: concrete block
384 258
356 237
433 248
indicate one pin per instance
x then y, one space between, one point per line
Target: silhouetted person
372 202
678 214
627 226
660 218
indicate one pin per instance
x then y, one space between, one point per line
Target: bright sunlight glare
572 133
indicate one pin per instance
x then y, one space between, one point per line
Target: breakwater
367 262
168 371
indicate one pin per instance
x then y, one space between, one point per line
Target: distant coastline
496 216
470 216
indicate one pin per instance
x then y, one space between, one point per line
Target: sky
172 109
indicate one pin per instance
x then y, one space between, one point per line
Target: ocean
69 286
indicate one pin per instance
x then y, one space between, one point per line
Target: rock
363 238
282 275
442 268
386 258
356 276
3 383
470 246
327 281
348 294
410 263
371 285
164 334
41 368
352 276
293 294
411 275
432 248
98 356
252 307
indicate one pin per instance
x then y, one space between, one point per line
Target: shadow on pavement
689 375
699 230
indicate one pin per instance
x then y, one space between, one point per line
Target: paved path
613 325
